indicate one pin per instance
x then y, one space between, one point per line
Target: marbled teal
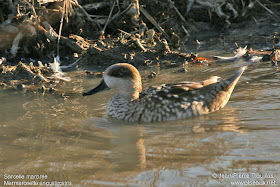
164 102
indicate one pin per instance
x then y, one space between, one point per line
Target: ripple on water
70 139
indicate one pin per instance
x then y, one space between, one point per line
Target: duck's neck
129 96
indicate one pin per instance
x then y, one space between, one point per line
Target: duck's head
123 77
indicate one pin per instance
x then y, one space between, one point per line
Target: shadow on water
69 139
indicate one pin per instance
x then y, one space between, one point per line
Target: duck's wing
196 85
208 89
176 91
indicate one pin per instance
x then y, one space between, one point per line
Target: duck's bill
101 87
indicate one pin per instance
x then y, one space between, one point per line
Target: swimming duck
164 102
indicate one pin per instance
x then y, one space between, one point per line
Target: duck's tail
234 79
220 95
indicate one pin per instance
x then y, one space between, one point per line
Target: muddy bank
32 78
42 29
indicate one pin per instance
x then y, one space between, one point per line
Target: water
69 139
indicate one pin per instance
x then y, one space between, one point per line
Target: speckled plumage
164 102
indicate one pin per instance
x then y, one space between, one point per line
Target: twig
264 7
274 40
39 8
124 11
256 21
33 9
126 33
189 7
119 10
172 5
18 10
49 32
152 20
75 2
139 45
97 16
272 4
52 35
185 30
229 6
71 65
60 28
118 5
3 60
108 19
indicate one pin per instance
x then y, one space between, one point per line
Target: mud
27 78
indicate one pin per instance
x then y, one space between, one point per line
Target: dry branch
108 19
268 10
53 36
75 2
172 5
152 20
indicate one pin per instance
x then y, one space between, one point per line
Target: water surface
69 138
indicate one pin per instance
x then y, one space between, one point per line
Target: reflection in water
68 138
129 151
151 155
230 122
225 121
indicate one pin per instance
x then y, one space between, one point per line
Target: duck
164 102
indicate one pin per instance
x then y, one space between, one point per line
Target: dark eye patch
120 72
